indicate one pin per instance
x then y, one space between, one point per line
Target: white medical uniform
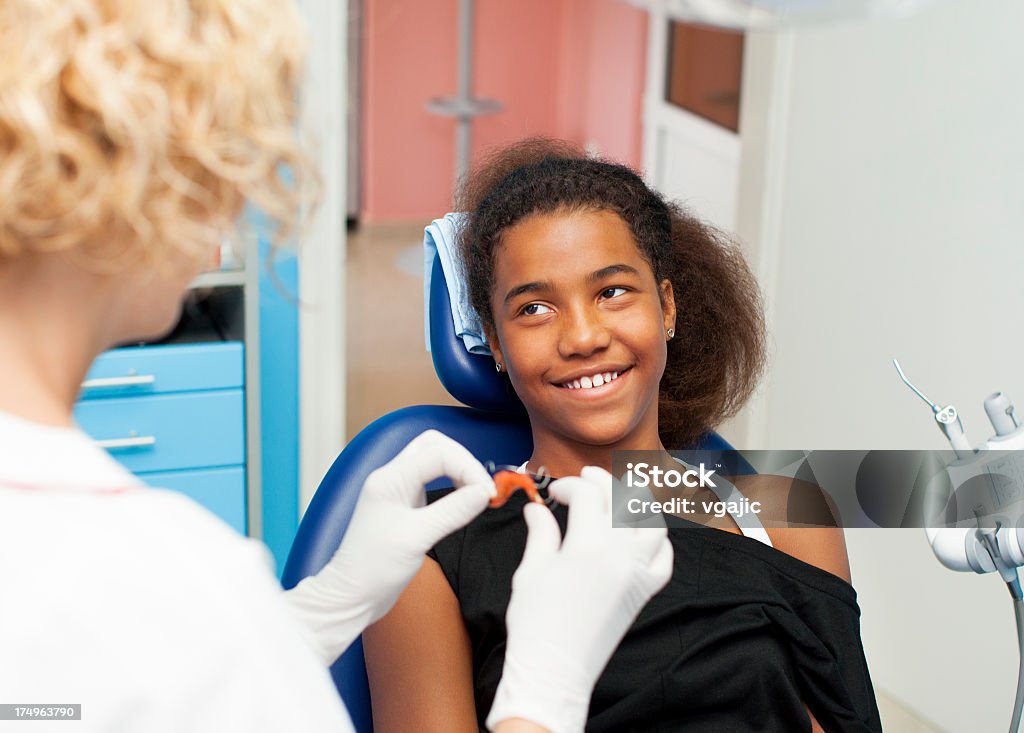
139 604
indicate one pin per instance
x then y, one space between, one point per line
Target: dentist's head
131 135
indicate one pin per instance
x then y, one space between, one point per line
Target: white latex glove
572 602
390 532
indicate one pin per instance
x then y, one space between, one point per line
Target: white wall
883 201
322 250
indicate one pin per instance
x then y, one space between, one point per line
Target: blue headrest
469 378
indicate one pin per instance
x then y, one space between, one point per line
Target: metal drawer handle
140 442
108 382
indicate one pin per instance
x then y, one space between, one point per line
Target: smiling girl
624 323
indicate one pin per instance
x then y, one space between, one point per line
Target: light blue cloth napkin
439 240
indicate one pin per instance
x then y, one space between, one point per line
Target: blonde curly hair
128 127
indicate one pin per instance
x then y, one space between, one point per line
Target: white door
692 152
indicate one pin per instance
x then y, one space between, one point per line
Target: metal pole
465 89
463 107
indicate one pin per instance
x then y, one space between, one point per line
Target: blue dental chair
493 427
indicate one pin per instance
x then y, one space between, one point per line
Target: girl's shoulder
800 519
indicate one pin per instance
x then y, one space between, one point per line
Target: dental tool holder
995 548
981 549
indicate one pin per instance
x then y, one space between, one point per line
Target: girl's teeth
588 382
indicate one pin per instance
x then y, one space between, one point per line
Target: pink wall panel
516 63
573 69
564 68
407 57
614 38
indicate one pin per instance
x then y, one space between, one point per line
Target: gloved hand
390 532
572 602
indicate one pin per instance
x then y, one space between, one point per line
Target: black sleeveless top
741 637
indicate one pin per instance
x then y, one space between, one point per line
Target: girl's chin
600 428
609 436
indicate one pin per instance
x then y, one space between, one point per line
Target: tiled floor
388 364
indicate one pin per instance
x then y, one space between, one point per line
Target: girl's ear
668 304
492 343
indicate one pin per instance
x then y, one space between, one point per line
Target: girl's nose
583 332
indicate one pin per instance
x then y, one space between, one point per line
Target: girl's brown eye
612 292
532 309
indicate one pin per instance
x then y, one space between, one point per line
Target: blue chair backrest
469 378
493 428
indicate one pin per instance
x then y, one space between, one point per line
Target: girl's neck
562 457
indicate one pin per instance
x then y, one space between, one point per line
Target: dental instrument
508 482
984 549
509 479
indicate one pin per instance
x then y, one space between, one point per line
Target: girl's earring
670 333
497 366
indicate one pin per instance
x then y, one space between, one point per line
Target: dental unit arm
779 14
982 550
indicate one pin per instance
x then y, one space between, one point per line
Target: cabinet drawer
166 432
221 490
145 370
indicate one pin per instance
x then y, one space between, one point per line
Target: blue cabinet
221 490
175 416
148 370
212 410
